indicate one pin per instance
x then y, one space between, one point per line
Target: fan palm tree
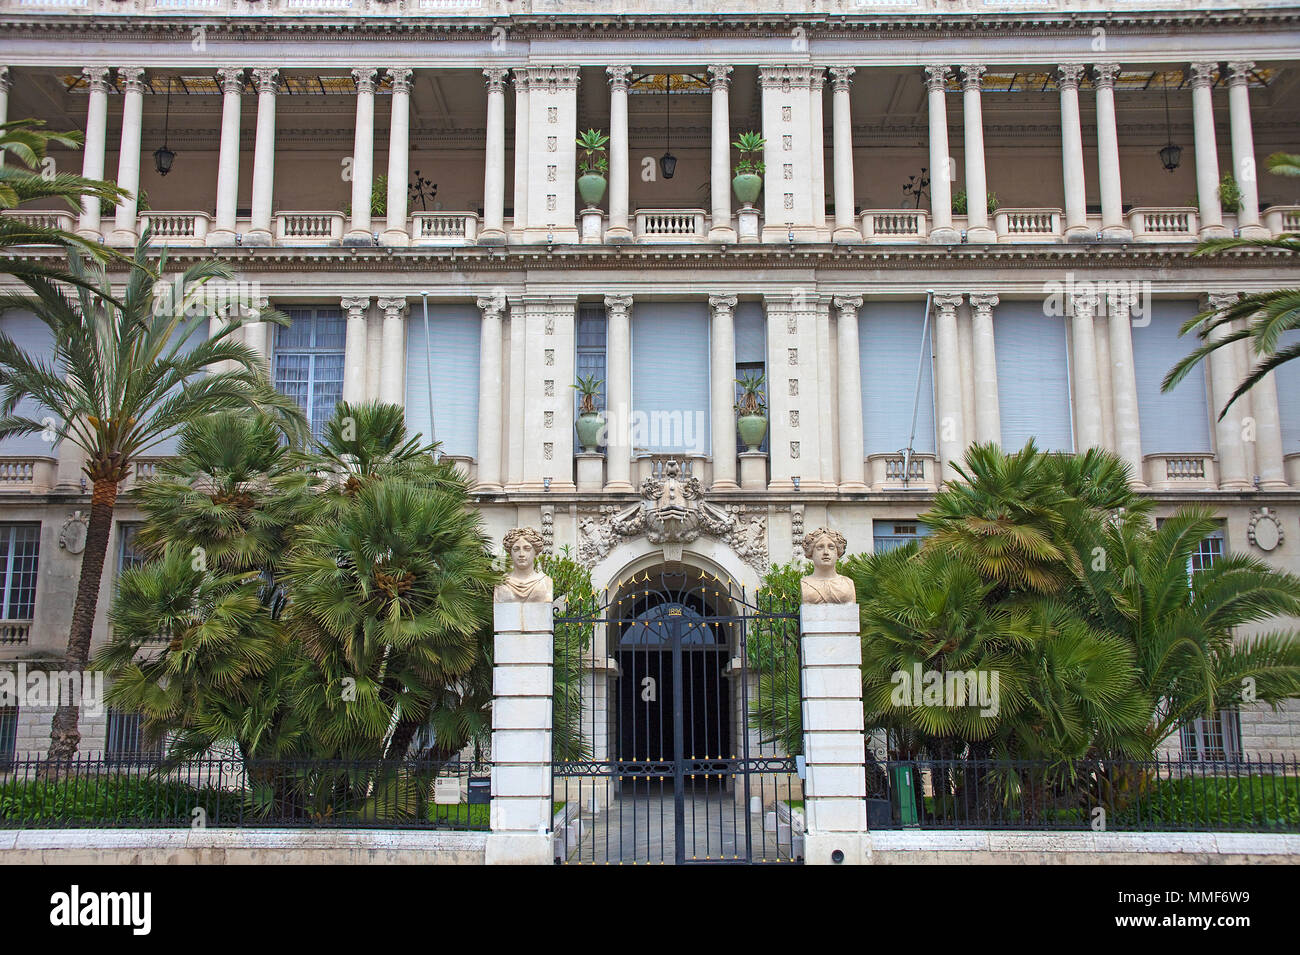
1268 316
122 377
23 181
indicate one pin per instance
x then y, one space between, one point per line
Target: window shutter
670 377
889 343
1033 377
751 334
35 338
1287 377
454 353
1177 421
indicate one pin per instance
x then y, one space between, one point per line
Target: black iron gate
677 717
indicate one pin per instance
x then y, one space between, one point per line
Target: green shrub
128 800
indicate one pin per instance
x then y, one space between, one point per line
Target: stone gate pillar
521 735
835 785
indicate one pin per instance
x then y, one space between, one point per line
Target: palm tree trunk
64 735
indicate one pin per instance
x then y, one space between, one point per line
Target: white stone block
522 617
520 813
829 618
519 848
836 815
511 648
521 713
521 746
836 715
838 649
837 682
820 848
522 681
831 780
513 780
834 747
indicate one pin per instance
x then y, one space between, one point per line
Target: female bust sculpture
824 585
525 583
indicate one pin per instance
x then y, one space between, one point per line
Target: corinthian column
977 207
489 393
92 162
1076 210
941 170
618 351
232 88
128 155
619 230
363 158
354 349
494 177
5 85
721 229
268 84
392 379
846 226
952 440
723 397
1207 151
1243 149
1123 382
399 159
988 418
1112 200
852 454
1088 429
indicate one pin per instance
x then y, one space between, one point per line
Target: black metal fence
233 793
1162 795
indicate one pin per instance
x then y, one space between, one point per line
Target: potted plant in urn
592 166
590 421
751 410
749 171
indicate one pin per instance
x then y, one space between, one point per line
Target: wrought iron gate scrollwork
660 759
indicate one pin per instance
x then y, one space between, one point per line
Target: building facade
399 177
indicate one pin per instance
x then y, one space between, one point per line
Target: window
1033 377
751 354
127 555
308 361
20 549
1217 739
34 337
1207 552
126 740
670 377
1288 394
590 359
1177 421
452 352
891 350
8 737
888 535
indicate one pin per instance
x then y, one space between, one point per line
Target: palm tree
27 141
123 376
1267 315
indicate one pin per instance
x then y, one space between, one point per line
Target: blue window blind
1287 377
20 554
1033 377
751 352
1179 420
308 361
170 443
889 345
34 337
591 349
453 354
892 534
670 377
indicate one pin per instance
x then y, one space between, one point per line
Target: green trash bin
904 796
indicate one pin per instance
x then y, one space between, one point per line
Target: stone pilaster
490 385
550 208
789 203
722 398
618 392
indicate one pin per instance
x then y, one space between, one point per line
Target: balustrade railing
670 224
895 225
1163 224
443 228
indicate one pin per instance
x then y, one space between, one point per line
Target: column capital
1239 72
355 306
1083 302
6 84
1203 74
619 76
495 77
722 303
231 79
841 78
947 301
1120 301
1218 301
1068 76
972 76
492 306
96 78
393 306
618 304
267 80
719 76
550 78
788 77
400 77
132 78
936 78
1104 74
847 303
983 301
364 77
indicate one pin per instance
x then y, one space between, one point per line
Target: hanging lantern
164 156
668 162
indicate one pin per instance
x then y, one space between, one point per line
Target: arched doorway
681 660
